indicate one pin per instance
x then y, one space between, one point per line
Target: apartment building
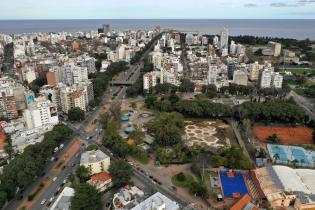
40 113
96 161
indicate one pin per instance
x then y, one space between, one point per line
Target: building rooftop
156 202
64 199
103 176
2 140
92 156
301 180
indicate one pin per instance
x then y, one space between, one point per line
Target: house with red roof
101 181
244 203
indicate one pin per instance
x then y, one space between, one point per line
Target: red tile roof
2 139
103 176
241 203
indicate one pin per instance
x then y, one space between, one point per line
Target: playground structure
203 134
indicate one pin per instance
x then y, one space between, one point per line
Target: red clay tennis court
287 135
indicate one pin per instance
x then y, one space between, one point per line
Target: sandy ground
204 134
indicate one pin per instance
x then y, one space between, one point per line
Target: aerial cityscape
155 110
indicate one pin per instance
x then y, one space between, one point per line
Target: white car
51 199
43 201
54 179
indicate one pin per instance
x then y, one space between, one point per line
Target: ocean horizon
284 28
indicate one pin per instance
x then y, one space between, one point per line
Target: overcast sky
159 9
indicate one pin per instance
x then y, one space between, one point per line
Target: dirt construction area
287 135
205 134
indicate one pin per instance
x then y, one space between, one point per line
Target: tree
232 157
186 86
273 138
24 168
86 197
181 177
104 119
8 146
198 189
150 101
76 114
166 128
92 147
276 157
121 173
82 173
209 90
3 198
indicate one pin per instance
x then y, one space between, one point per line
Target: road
239 139
305 103
131 75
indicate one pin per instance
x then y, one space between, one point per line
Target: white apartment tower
215 41
40 113
232 48
277 80
265 78
240 78
212 75
224 39
254 71
149 80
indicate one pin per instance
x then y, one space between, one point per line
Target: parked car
43 202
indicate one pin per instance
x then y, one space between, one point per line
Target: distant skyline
158 9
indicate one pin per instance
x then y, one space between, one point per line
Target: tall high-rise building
265 78
72 74
231 68
8 107
224 39
240 78
149 80
212 72
106 29
232 48
189 39
254 71
72 97
275 47
40 113
276 80
215 41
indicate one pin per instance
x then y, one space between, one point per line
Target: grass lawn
185 184
144 159
299 91
299 70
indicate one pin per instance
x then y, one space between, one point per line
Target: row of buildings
166 61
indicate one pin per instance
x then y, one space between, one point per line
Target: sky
157 9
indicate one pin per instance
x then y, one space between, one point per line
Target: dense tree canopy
186 86
231 158
86 197
271 111
275 110
101 79
166 128
121 172
76 114
23 169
